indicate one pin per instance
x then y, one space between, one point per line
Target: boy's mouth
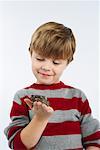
44 74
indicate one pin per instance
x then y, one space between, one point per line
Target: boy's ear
30 53
67 63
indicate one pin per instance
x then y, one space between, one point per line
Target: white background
18 20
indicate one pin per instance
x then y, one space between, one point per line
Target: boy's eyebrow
38 55
59 60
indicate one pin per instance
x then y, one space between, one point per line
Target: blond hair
53 40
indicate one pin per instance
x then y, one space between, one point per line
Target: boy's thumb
29 103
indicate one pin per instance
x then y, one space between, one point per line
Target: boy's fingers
47 108
29 103
37 105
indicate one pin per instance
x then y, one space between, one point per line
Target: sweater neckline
51 86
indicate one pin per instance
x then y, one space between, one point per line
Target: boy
65 124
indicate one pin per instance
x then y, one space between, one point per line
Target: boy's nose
45 68
47 65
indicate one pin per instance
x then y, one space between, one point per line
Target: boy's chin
47 82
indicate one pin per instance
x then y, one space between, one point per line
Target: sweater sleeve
19 119
90 127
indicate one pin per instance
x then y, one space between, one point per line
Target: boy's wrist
40 119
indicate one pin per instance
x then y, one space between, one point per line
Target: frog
40 98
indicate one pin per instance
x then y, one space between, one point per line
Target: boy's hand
41 110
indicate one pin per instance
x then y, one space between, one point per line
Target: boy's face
47 71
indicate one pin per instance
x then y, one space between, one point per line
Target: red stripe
67 104
13 130
93 144
59 85
95 136
62 128
18 110
75 149
18 145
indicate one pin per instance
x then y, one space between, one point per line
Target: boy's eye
56 63
40 59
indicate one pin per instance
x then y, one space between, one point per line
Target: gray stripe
17 97
86 118
61 116
59 142
58 93
21 117
94 141
31 114
66 115
16 121
90 127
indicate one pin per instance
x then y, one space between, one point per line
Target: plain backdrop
18 20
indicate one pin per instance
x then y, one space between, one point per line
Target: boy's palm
41 110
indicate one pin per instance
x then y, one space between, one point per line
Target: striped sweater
71 127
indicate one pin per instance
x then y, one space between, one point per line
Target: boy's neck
47 84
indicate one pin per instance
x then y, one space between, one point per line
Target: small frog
40 98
